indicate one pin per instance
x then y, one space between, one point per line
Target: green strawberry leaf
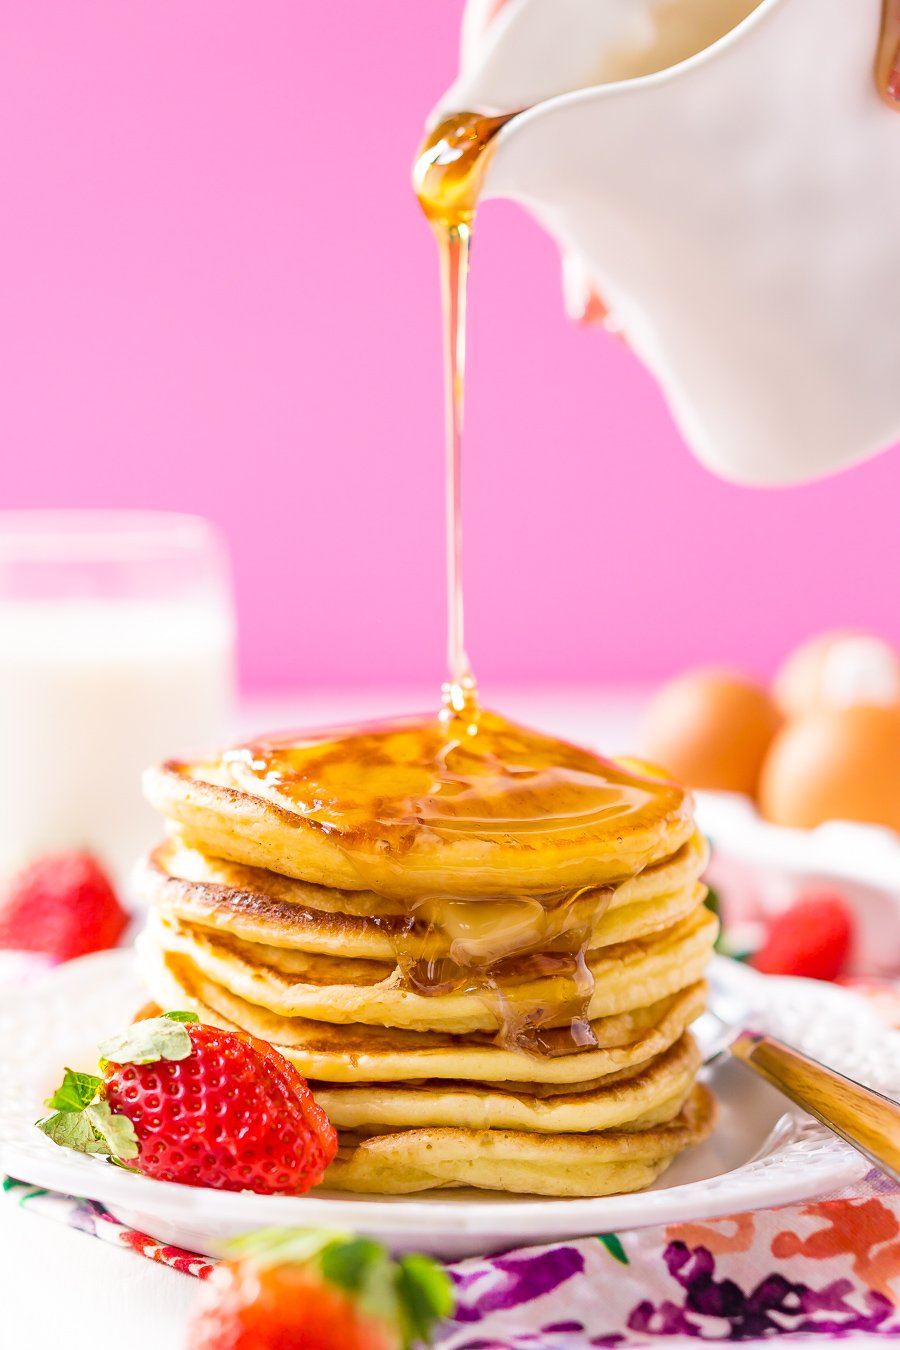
117 1162
75 1092
182 1016
72 1129
614 1246
148 1041
351 1264
116 1131
425 1295
363 1269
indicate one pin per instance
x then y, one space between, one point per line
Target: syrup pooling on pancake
385 790
382 789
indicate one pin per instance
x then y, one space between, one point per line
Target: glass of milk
116 650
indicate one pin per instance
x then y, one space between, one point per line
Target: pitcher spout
739 213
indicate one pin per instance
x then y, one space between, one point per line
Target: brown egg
842 765
838 670
711 729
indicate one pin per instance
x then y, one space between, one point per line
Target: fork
865 1119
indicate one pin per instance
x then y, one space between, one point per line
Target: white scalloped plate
762 1152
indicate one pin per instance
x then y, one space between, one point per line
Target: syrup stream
454 258
448 175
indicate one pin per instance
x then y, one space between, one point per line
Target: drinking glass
116 650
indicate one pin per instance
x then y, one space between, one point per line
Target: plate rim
738 1190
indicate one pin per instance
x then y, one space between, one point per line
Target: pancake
483 947
321 967
258 906
526 1163
470 806
651 1096
625 976
362 1054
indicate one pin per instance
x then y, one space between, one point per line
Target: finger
888 65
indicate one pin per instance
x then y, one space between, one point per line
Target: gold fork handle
864 1118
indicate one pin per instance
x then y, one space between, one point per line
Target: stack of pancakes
484 963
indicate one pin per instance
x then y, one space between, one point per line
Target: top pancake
466 805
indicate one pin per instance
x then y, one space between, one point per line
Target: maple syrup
496 949
436 811
448 174
439 812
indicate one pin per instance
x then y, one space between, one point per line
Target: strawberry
62 904
307 1290
181 1101
812 938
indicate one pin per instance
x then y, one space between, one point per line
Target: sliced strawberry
814 937
63 904
185 1102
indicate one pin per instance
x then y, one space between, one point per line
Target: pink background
218 296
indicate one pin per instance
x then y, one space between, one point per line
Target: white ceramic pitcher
739 211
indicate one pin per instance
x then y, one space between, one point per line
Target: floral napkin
831 1268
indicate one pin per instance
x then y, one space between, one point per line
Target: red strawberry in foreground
813 938
62 904
304 1290
180 1101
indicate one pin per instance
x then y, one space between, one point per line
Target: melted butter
421 789
498 949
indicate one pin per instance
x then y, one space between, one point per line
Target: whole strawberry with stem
307 1290
182 1101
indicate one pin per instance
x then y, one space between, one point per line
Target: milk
739 210
92 691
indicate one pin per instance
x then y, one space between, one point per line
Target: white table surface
61 1286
